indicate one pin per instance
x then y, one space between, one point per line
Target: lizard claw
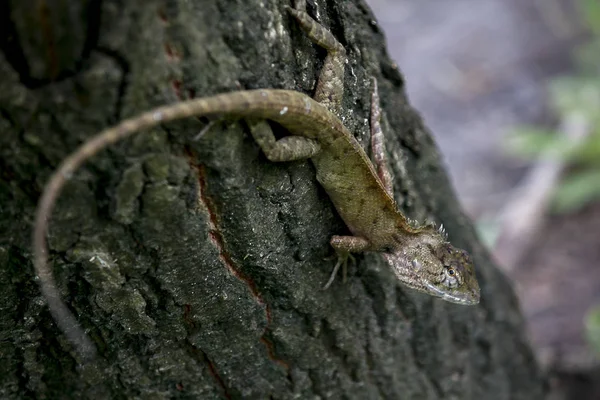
341 262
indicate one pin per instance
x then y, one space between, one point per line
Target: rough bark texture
196 265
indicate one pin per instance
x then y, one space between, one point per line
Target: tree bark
196 265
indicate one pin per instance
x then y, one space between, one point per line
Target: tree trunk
196 265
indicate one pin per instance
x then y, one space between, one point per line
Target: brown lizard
420 256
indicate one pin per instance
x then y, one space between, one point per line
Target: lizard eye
416 264
450 278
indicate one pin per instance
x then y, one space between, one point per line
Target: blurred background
511 92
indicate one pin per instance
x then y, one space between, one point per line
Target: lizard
362 192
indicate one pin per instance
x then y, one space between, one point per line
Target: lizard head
428 263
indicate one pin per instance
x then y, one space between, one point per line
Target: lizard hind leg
330 87
288 148
378 143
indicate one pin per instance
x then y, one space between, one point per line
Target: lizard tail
299 109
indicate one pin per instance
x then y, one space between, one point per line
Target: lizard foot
342 261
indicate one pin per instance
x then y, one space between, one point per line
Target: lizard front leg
343 246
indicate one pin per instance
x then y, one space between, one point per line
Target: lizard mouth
462 298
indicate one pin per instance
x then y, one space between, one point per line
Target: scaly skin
421 257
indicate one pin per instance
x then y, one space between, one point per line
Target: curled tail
292 109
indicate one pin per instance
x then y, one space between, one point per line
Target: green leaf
589 151
587 57
592 328
537 143
577 190
579 94
590 10
530 142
